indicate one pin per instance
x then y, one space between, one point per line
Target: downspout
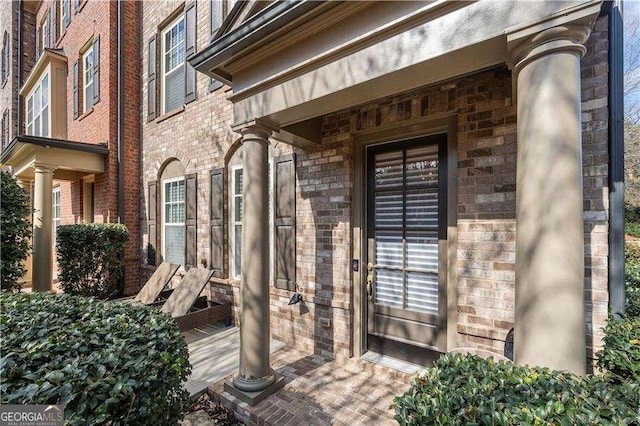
121 125
616 161
20 60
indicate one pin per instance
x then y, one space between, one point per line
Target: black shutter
152 223
76 3
190 49
151 83
76 105
216 222
96 70
191 214
285 222
54 23
67 14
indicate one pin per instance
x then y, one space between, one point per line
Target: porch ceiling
294 62
71 160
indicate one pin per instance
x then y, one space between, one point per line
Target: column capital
256 130
44 168
569 37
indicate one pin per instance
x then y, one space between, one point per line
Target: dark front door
406 232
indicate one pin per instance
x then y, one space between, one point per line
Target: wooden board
156 283
185 294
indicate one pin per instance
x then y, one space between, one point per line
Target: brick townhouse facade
393 171
78 144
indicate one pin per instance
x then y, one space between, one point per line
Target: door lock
370 287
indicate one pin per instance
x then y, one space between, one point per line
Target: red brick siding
99 124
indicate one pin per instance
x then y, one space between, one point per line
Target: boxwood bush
106 362
466 389
91 258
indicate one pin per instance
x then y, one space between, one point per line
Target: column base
254 397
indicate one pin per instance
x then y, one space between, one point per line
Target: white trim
163 72
232 221
86 55
55 220
163 214
29 97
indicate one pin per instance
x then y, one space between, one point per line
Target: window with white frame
87 79
55 212
173 223
64 11
236 220
44 33
38 109
173 73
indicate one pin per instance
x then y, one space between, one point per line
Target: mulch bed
219 415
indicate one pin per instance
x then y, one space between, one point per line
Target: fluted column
42 255
549 309
255 374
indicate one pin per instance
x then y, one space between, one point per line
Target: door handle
370 287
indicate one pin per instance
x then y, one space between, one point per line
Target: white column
255 374
549 309
42 228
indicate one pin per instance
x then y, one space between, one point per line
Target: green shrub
621 353
91 258
466 389
15 231
106 362
632 278
632 220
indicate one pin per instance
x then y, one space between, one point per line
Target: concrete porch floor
322 392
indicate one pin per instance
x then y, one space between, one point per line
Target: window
87 79
173 54
44 33
173 230
236 220
6 58
5 128
38 109
55 212
65 15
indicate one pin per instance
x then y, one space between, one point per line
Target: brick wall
8 90
200 137
99 123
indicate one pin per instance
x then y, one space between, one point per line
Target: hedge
15 231
621 353
91 258
106 362
466 389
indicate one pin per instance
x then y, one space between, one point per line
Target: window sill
84 114
169 114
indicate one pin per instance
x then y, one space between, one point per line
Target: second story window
6 58
44 33
87 79
38 109
65 14
173 54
